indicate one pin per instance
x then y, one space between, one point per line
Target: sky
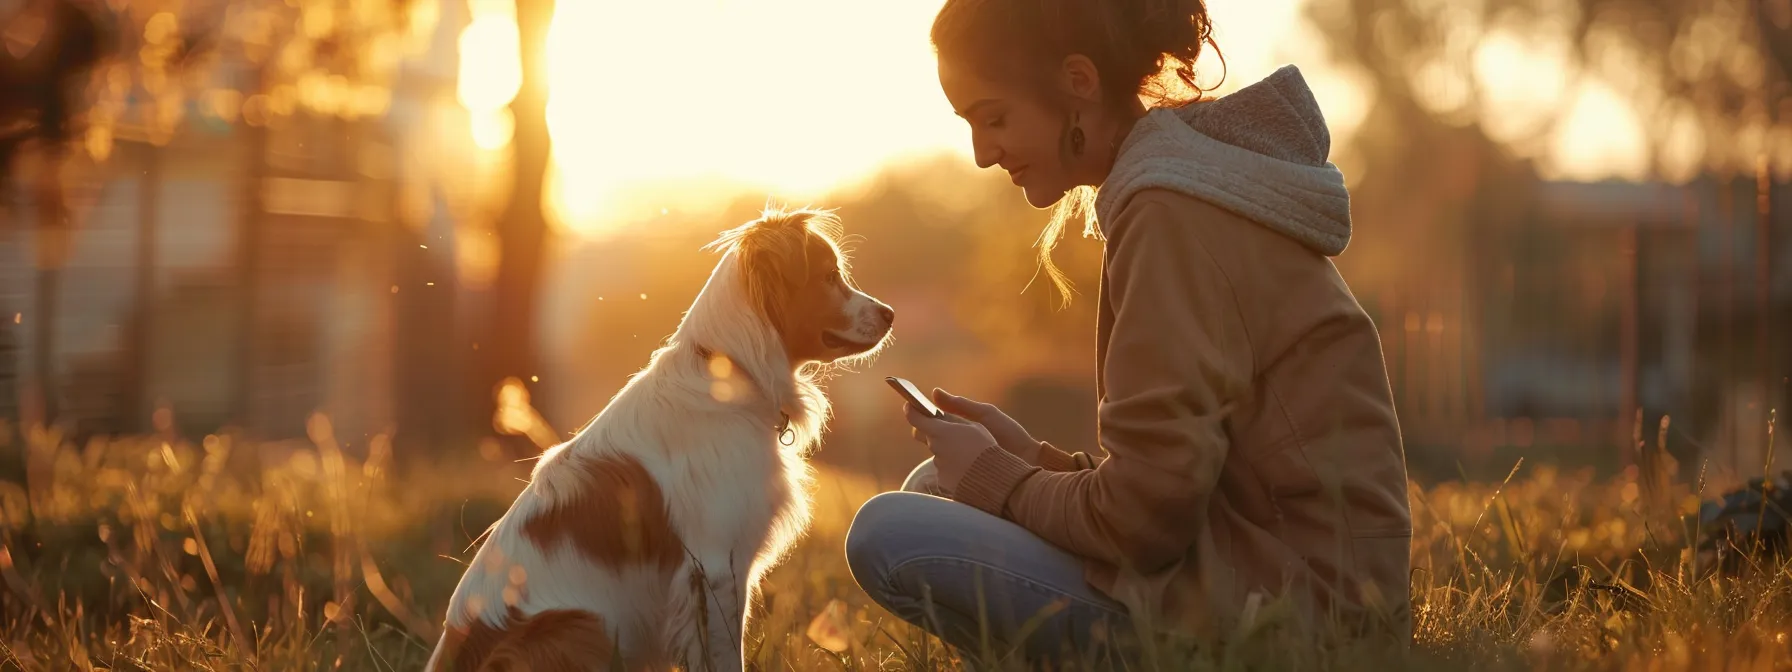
798 97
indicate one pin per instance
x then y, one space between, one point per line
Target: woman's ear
1081 79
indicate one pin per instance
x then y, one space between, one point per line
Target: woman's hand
1008 434
955 442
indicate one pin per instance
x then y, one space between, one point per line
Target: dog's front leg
721 587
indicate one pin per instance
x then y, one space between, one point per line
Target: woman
1249 441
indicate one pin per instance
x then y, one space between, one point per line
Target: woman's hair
1143 49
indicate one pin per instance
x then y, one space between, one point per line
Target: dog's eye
835 277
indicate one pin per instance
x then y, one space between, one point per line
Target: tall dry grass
160 553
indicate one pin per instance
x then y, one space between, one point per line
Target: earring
1077 140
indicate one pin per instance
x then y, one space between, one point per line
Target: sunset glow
491 71
791 98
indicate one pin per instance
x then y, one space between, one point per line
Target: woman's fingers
969 408
926 422
912 414
921 423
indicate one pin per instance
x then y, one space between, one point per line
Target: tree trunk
1763 360
1629 420
1775 22
136 411
427 361
43 373
522 231
53 233
249 235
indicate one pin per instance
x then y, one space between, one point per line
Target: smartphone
914 396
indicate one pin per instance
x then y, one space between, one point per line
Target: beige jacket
1248 433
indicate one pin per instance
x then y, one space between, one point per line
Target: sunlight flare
491 71
791 97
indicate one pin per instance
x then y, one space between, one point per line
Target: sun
787 97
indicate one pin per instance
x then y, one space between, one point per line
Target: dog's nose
888 313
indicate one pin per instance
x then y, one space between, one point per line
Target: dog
639 543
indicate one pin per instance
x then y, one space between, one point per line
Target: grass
158 553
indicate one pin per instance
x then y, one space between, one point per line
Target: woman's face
1013 129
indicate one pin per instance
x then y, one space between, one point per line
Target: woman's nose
986 159
986 153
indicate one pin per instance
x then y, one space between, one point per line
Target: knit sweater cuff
1052 459
992 477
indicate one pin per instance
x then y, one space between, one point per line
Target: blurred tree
50 47
1469 100
1774 18
1490 81
1709 78
510 344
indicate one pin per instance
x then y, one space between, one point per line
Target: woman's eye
998 120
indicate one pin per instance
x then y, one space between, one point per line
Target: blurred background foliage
247 211
264 261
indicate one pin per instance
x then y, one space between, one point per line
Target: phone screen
914 396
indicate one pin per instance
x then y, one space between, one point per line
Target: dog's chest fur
733 495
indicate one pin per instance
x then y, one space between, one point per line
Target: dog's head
798 278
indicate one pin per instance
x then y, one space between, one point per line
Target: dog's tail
563 640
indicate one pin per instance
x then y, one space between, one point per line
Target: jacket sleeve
1177 357
1051 458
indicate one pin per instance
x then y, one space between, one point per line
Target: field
160 553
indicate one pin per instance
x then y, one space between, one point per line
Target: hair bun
1132 42
1155 37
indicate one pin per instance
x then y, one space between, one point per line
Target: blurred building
162 250
240 274
1595 301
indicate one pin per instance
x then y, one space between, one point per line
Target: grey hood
1260 153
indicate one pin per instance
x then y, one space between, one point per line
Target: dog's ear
794 257
774 261
777 254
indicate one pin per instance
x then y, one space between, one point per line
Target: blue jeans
928 560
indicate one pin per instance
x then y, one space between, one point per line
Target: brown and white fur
641 540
